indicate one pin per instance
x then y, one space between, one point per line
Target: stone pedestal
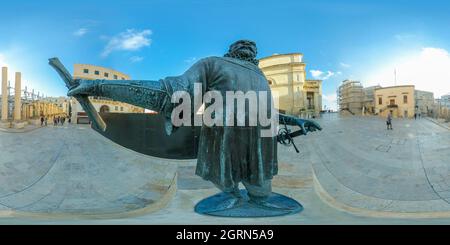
217 205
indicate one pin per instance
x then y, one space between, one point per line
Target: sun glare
428 69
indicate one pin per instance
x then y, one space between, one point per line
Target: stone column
38 106
18 97
4 93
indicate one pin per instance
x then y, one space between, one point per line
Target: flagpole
395 77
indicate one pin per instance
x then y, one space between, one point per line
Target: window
121 108
96 72
106 74
270 82
380 101
405 99
115 76
86 71
116 108
392 102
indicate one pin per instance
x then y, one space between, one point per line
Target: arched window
104 109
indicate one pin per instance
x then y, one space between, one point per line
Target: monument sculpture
228 154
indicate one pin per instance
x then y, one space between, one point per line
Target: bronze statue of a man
228 155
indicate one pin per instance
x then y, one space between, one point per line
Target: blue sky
361 40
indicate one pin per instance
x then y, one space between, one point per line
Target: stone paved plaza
72 171
352 172
360 166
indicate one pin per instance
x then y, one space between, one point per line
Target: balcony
392 106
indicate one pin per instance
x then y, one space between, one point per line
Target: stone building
444 101
369 100
399 100
424 102
441 107
351 97
287 78
84 71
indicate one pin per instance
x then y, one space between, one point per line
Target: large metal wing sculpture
82 99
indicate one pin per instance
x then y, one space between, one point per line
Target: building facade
444 101
295 94
442 108
398 100
369 100
351 97
424 102
103 105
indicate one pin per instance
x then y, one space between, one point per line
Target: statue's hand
85 87
305 125
308 125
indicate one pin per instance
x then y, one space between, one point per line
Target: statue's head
243 50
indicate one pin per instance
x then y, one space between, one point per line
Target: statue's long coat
228 155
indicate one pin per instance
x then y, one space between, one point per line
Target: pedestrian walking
42 121
389 121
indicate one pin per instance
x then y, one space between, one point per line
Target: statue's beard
243 55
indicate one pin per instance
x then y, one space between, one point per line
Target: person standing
389 121
45 121
42 121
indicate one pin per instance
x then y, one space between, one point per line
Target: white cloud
80 32
345 65
318 74
427 69
329 101
329 74
136 59
130 40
